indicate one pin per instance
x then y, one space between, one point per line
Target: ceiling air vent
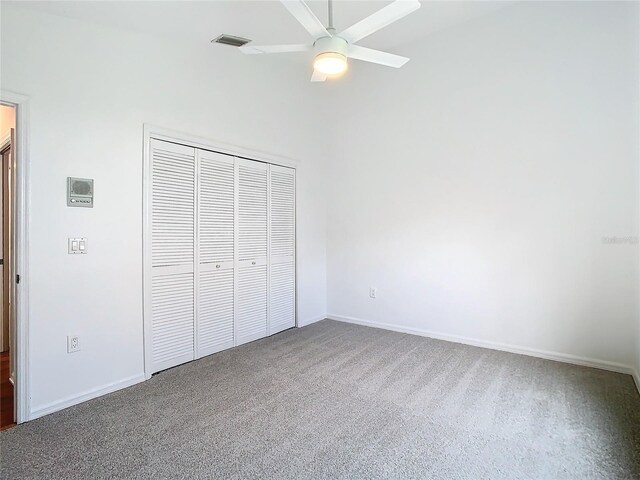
231 40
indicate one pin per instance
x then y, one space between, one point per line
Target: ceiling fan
332 49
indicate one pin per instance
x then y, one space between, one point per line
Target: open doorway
7 305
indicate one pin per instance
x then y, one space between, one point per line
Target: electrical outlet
372 292
73 343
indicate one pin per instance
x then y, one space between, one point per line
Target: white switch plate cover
372 292
75 246
73 343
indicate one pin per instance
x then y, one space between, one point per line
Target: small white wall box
79 192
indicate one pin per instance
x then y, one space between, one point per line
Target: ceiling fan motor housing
331 45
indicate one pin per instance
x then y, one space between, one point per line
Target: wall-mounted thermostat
79 192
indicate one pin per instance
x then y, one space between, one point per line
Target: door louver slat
172 317
216 209
216 246
252 212
215 311
252 303
172 254
282 297
282 208
172 218
251 276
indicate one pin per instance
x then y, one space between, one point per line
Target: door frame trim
150 132
22 200
174 136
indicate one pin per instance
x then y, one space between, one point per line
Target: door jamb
21 248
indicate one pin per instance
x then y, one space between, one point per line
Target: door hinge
17 278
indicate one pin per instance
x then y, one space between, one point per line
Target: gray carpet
334 400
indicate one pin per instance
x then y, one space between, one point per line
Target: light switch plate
77 246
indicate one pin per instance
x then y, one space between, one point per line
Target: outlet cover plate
73 343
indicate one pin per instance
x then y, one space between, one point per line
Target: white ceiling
265 22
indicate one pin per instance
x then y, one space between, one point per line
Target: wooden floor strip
6 393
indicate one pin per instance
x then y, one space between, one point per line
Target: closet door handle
253 263
218 265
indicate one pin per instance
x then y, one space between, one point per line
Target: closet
219 252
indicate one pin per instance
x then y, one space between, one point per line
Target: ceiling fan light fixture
332 49
330 63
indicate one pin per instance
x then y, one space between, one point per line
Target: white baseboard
532 352
309 321
560 357
83 397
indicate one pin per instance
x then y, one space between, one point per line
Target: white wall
91 89
637 155
474 186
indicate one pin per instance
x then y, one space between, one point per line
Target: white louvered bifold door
171 287
215 304
219 252
282 230
251 251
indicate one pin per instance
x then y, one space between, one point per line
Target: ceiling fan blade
376 56
383 17
255 49
306 17
318 77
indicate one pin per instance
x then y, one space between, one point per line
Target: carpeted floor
334 400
